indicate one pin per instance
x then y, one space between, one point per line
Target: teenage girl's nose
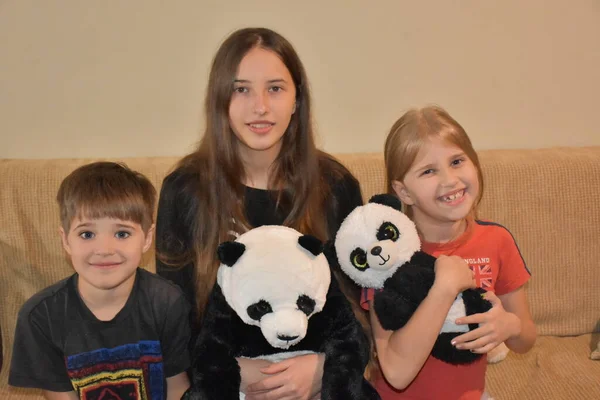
261 102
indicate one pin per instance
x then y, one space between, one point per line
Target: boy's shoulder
158 288
49 298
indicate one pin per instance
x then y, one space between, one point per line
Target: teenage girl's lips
453 198
260 127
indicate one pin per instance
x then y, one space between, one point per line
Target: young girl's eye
458 161
122 235
240 89
427 172
86 235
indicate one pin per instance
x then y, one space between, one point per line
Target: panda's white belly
457 310
276 358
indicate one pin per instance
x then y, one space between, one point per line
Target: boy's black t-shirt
61 346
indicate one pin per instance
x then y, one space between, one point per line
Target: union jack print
483 275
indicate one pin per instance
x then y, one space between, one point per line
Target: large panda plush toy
274 298
378 247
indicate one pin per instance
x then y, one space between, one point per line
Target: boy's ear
402 193
149 237
63 238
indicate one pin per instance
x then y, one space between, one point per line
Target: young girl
433 169
256 165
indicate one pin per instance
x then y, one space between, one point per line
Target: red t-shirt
491 252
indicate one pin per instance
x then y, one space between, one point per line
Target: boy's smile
105 252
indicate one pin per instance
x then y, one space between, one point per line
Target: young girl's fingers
477 343
472 319
483 330
276 394
485 349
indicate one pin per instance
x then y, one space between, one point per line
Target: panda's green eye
358 258
388 231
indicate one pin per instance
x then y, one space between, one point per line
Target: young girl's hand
495 327
453 274
297 378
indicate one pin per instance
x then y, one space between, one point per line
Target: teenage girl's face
262 103
442 184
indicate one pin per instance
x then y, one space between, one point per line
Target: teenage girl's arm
177 385
508 321
402 353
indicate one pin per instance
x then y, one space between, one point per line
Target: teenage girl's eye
86 235
122 235
276 89
240 89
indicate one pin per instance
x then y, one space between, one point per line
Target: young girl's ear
402 193
63 238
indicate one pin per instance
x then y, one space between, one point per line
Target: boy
111 330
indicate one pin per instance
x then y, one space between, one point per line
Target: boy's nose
105 246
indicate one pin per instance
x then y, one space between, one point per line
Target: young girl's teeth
453 196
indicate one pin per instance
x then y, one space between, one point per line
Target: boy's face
105 252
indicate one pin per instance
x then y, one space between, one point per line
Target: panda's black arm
215 371
346 350
403 292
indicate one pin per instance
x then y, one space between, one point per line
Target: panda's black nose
376 250
287 338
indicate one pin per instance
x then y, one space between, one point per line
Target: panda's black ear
387 200
311 243
330 253
230 252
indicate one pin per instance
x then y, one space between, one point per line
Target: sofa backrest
547 198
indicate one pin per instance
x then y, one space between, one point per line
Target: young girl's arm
508 321
402 353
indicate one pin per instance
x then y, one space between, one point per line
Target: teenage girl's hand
495 326
453 274
297 378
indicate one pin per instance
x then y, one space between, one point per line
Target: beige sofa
548 198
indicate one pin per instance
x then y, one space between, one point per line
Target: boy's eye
86 235
122 235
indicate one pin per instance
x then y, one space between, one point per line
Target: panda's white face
373 242
276 284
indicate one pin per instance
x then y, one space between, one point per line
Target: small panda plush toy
274 299
378 247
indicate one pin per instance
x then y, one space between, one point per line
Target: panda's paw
497 354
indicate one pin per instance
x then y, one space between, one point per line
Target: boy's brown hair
106 189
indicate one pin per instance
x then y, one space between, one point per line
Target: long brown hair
296 173
410 133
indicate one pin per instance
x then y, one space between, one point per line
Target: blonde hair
412 131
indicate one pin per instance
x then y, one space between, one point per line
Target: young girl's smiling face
441 186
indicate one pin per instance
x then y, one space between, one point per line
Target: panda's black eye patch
388 231
257 310
305 304
358 258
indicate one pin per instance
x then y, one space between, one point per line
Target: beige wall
127 78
